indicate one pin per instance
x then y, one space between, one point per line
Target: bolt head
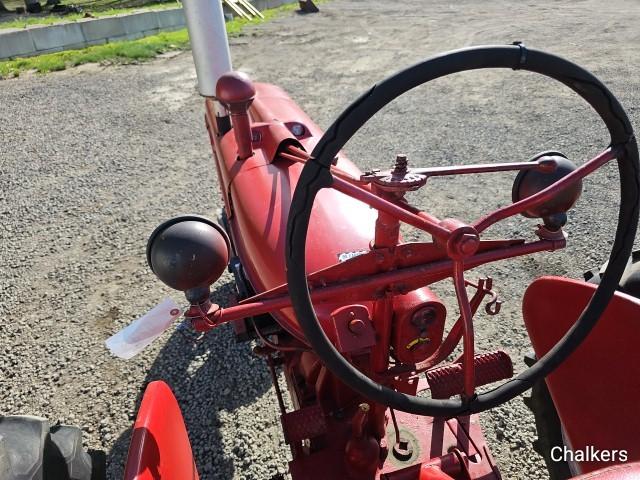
469 244
401 164
356 326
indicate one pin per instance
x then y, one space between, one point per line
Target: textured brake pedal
490 367
301 424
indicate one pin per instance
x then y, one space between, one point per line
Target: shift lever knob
236 92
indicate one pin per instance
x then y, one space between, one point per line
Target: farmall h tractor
339 303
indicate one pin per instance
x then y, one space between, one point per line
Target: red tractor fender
160 447
628 471
596 390
428 472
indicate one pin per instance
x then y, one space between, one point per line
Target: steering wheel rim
316 175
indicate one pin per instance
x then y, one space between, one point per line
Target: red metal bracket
354 330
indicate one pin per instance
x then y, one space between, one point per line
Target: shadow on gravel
207 377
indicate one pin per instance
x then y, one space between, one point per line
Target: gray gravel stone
93 158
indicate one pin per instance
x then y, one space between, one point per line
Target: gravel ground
93 158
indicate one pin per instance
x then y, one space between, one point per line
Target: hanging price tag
133 338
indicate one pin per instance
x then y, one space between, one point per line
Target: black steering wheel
317 175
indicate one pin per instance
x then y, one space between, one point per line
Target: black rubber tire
30 449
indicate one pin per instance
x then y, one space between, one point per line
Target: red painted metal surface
237 92
418 326
628 471
353 327
435 439
468 340
446 347
401 280
361 194
596 390
362 281
429 472
339 225
386 237
335 442
258 220
160 447
305 423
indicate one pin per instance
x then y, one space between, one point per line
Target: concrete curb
37 40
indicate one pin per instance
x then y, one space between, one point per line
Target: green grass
117 52
128 51
53 19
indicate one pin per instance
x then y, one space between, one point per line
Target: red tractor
341 304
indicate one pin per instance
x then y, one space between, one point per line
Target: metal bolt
468 244
356 326
401 164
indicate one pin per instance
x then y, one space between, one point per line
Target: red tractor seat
596 390
626 471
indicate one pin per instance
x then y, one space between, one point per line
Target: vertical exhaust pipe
209 44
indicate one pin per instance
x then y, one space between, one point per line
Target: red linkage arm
366 288
468 341
425 223
548 165
347 184
544 195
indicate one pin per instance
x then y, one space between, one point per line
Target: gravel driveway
93 158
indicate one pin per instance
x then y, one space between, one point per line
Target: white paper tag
133 338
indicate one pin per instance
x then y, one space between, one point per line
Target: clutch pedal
308 422
448 381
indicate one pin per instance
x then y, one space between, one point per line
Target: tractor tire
630 281
547 425
30 449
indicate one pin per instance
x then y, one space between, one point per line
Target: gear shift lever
236 92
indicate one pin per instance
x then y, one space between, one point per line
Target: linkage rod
353 187
423 223
426 274
468 343
546 194
544 165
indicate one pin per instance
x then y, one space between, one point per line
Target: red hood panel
261 192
